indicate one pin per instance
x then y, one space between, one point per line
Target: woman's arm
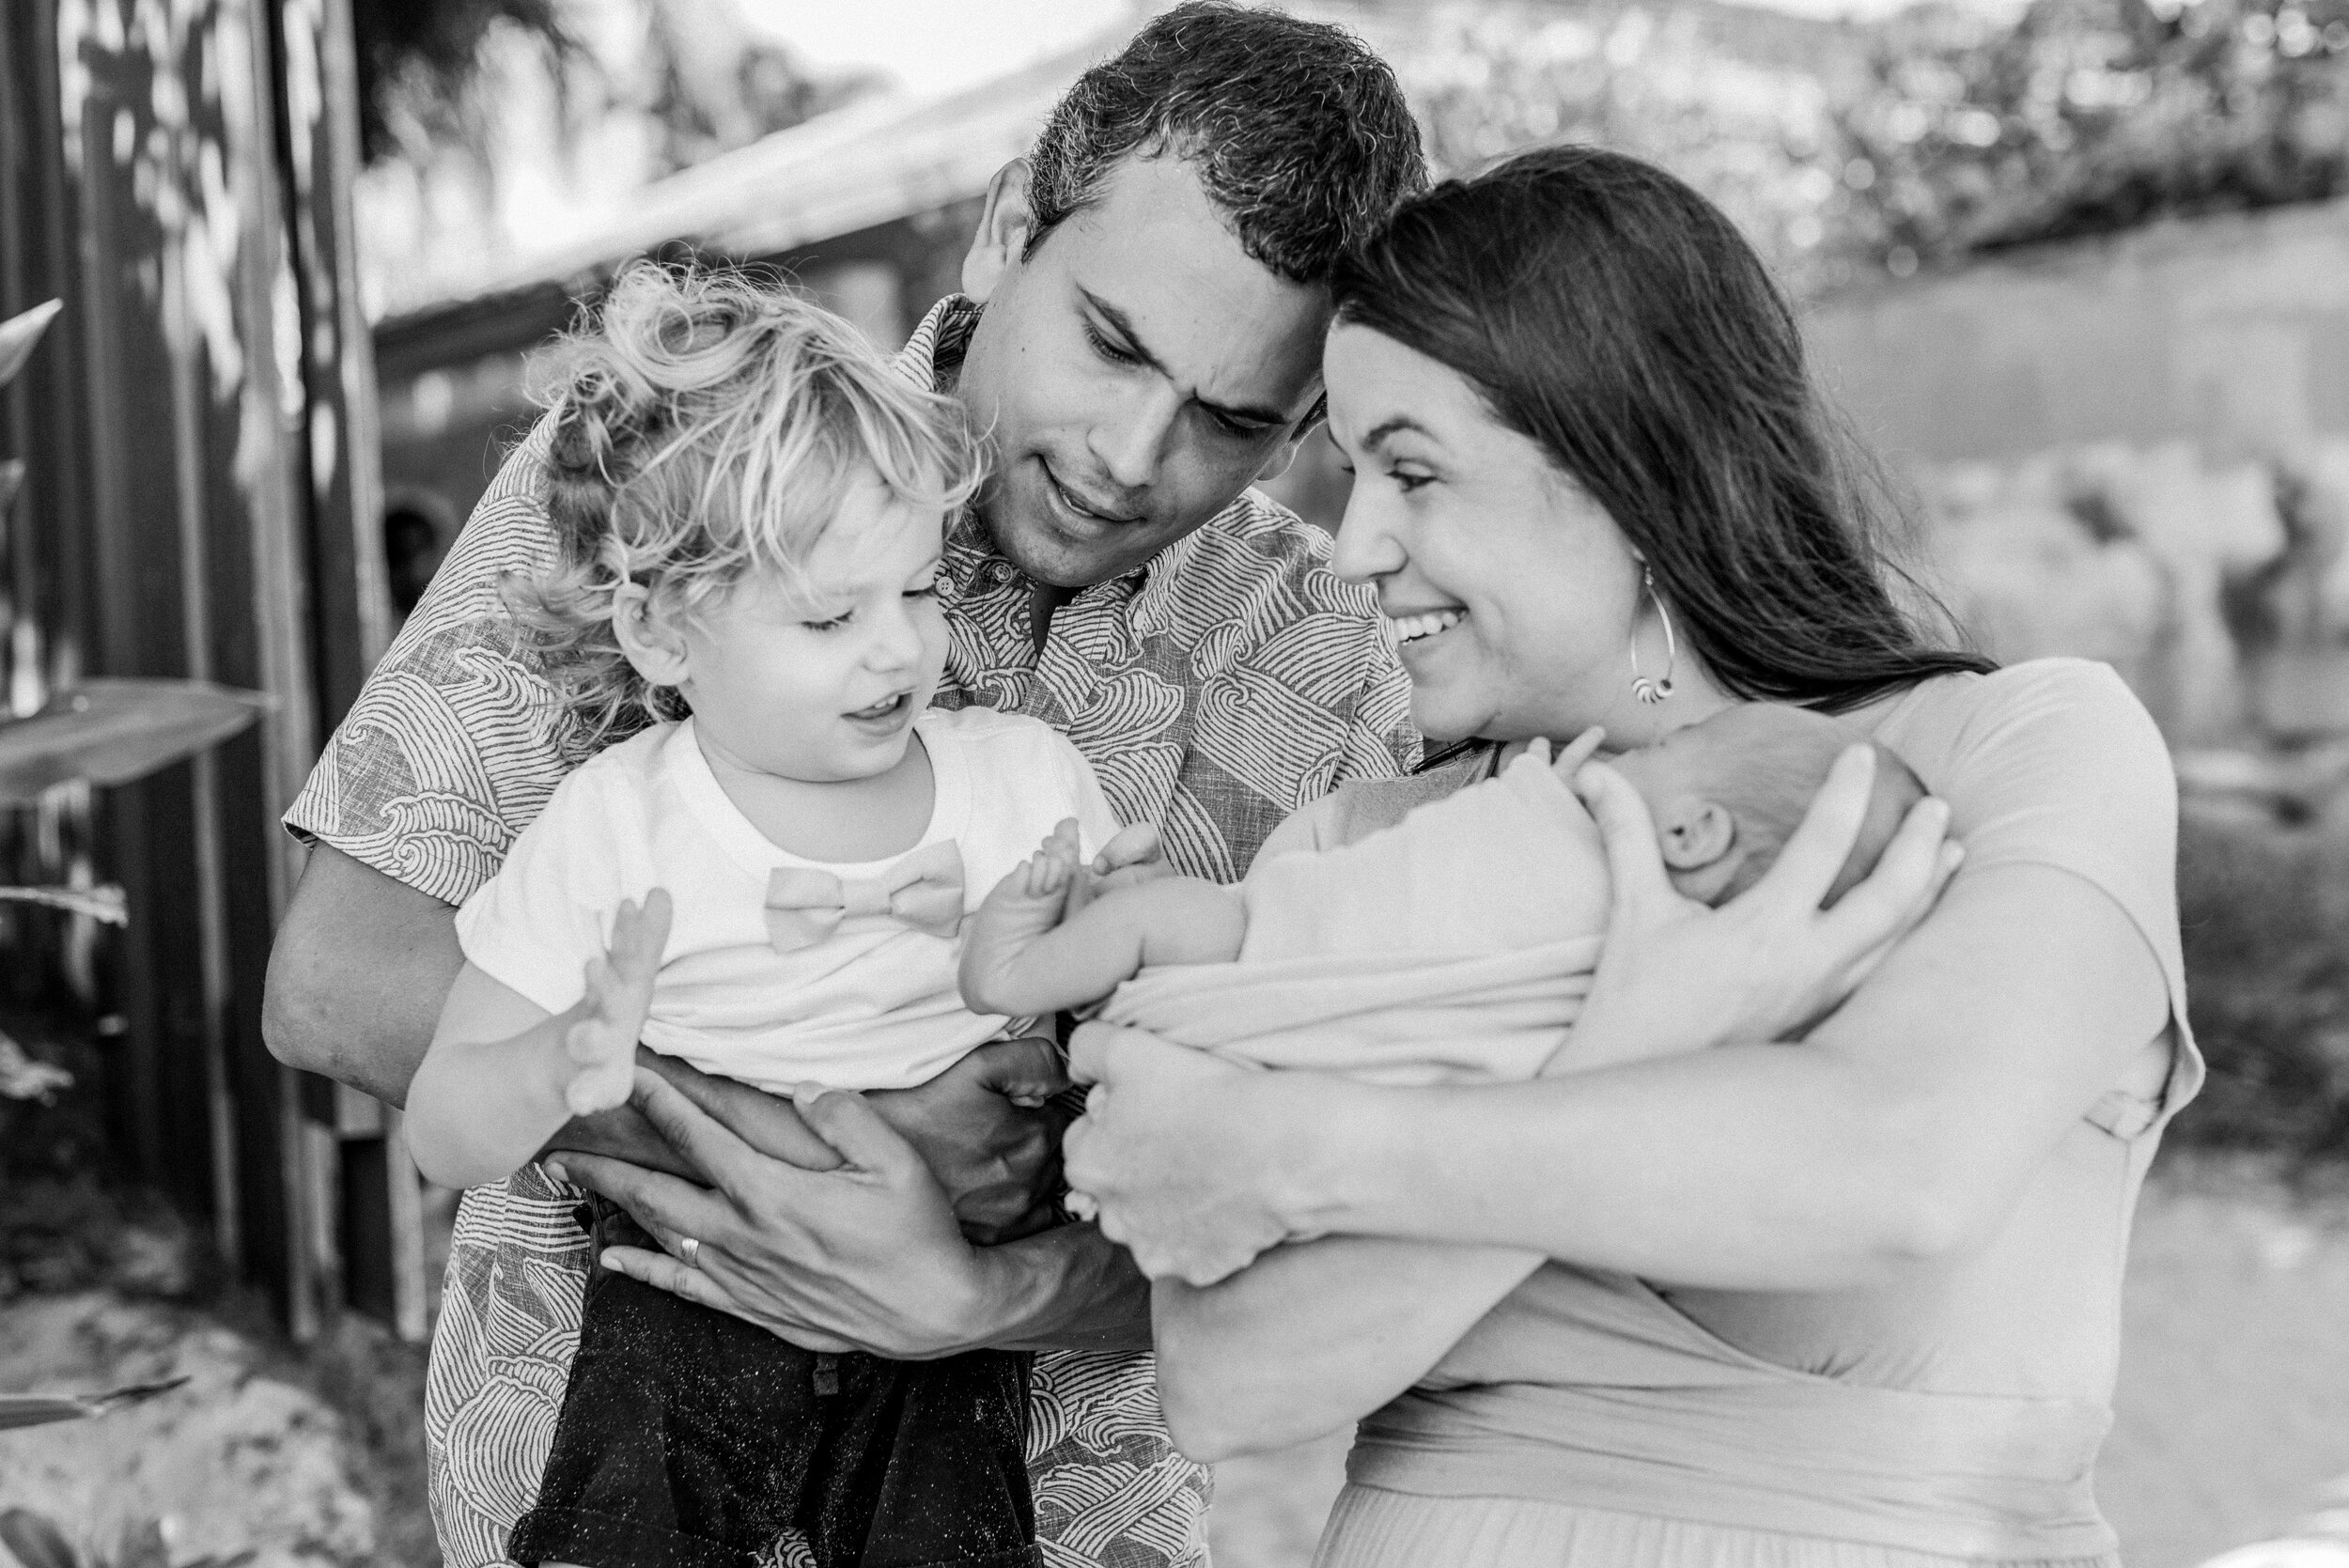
1314 1335
1900 1129
1903 1129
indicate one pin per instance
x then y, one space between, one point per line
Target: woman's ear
1694 833
1006 223
652 647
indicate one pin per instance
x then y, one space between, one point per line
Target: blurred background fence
201 500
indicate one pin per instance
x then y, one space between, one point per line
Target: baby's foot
601 1039
1023 907
1034 897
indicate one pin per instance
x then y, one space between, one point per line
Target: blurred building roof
870 163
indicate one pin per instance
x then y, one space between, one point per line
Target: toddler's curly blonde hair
706 426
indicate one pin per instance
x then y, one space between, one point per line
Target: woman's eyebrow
1391 427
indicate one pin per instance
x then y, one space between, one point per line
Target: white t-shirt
873 1005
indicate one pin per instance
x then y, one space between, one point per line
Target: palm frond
112 732
40 1409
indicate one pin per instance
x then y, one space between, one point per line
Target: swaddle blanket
1455 946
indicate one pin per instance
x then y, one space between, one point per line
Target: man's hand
998 1161
986 1130
863 1256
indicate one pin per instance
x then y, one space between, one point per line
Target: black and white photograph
1174 783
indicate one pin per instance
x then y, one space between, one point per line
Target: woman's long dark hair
1615 316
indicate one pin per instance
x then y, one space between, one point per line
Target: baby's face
1688 762
1684 780
821 680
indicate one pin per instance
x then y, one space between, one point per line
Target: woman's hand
1676 976
1185 1156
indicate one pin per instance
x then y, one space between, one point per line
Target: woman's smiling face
1512 593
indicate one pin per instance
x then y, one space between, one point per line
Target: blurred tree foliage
1737 101
417 60
1846 149
2087 116
691 65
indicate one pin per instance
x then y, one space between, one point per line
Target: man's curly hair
1298 133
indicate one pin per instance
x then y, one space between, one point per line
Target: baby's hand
1135 855
1583 747
601 1039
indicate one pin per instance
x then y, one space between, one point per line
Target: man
1141 339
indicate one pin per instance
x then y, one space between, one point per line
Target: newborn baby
1455 946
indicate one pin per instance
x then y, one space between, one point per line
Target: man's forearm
1069 1288
621 1133
356 979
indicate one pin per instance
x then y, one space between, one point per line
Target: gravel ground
2232 1408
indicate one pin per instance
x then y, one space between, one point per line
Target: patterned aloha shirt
1224 685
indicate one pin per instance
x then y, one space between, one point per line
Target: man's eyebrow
1124 327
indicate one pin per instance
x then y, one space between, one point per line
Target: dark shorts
691 1437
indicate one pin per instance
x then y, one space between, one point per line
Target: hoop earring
1647 691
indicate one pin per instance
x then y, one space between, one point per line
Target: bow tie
924 890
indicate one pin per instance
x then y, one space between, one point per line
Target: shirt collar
948 327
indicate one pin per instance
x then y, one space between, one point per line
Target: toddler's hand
601 1039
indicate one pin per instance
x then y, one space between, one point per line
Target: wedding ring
688 1251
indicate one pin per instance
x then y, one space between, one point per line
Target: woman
1838 1295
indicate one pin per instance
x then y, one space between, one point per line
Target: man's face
1133 376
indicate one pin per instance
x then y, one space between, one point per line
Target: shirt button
998 573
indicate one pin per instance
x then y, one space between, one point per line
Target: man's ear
1006 223
1694 833
653 648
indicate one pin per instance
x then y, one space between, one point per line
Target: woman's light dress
1591 1418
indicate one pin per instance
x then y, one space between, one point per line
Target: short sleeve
534 925
456 740
2056 763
